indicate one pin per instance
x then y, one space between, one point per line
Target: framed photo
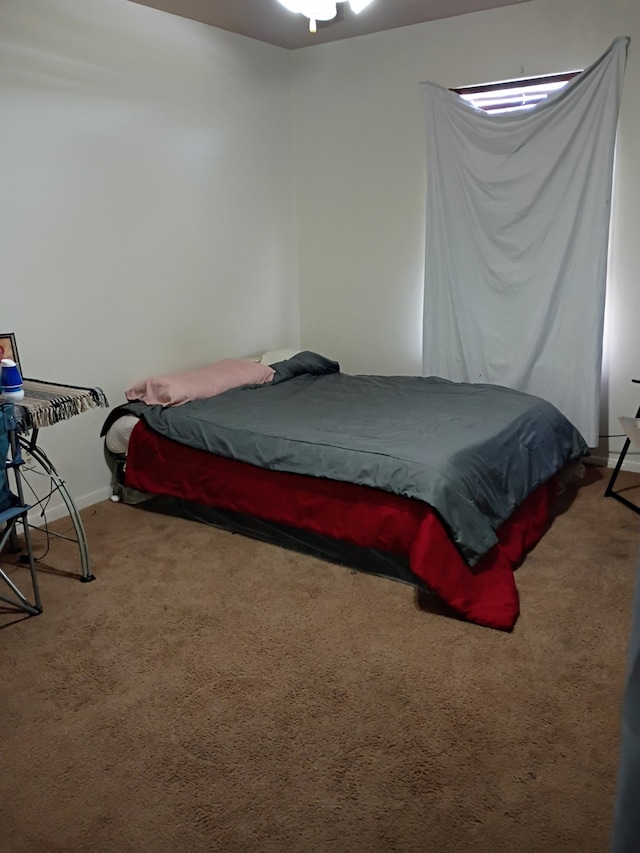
9 348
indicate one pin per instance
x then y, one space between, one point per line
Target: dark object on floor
626 830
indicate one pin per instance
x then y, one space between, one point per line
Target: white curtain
518 209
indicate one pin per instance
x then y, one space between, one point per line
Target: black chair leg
609 492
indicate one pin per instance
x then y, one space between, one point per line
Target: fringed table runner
48 403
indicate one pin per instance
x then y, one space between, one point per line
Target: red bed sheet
485 594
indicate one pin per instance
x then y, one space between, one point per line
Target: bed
441 484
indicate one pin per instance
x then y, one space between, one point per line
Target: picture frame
9 348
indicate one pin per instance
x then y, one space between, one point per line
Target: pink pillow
176 388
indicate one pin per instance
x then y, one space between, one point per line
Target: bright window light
514 95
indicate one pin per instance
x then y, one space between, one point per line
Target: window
514 95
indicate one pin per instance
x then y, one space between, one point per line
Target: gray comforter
473 452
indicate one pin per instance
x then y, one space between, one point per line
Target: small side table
609 492
45 404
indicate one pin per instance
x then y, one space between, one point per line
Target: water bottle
11 389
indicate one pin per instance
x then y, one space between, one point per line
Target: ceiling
268 21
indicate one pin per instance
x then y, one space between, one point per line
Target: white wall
360 177
147 209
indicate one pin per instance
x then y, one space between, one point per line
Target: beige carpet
213 693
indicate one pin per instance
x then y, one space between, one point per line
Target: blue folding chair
13 511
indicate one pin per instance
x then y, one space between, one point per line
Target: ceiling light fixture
321 10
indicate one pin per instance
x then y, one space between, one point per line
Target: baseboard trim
59 509
610 461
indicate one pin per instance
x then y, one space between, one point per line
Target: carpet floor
209 692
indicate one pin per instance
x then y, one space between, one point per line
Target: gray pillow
304 362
